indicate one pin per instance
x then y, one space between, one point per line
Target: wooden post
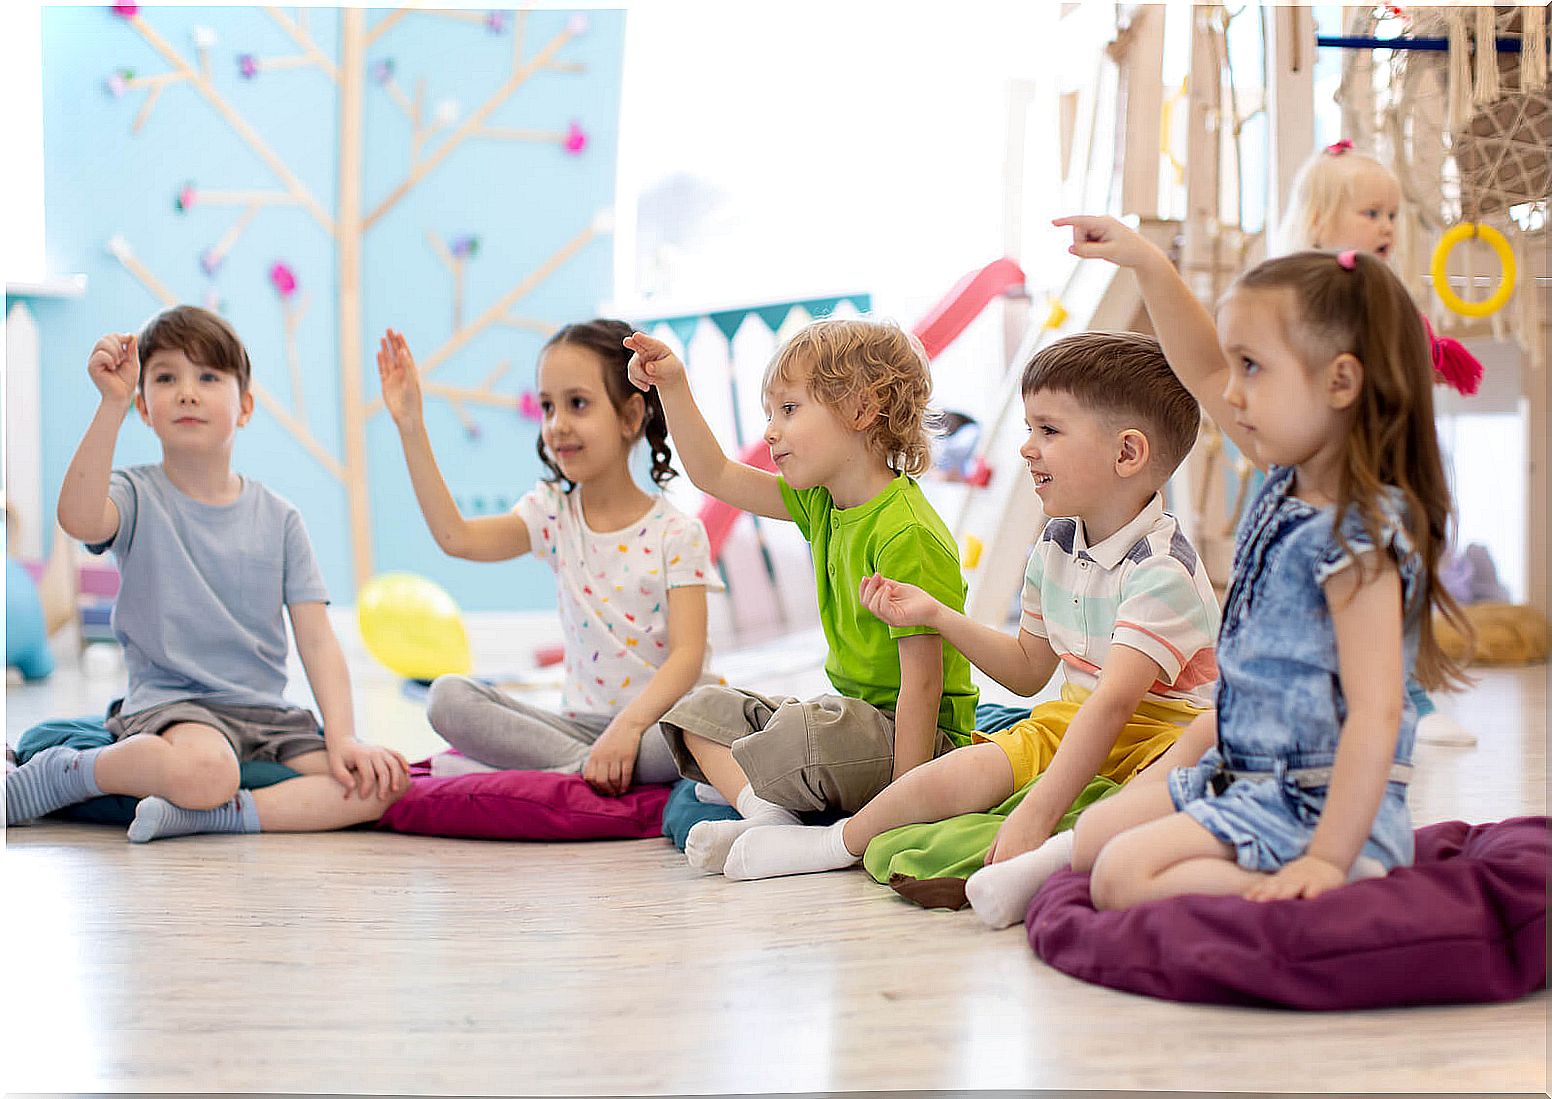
347 236
1290 100
1142 77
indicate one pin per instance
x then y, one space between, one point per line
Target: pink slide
940 327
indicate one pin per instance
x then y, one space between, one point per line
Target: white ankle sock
774 852
706 846
1000 893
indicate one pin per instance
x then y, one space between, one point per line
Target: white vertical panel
24 429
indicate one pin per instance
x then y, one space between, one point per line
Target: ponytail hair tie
1337 148
1348 259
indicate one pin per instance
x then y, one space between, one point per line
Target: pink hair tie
1337 148
1348 259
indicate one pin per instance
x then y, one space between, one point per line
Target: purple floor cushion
523 805
1466 924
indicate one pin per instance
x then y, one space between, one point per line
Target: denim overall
1280 702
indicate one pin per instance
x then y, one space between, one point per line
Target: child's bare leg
191 764
1166 858
707 844
312 802
967 780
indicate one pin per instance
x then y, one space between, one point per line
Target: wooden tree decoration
433 140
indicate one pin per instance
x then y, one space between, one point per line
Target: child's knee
1114 875
448 700
203 779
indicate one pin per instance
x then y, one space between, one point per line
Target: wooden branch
396 94
442 252
145 109
470 125
300 36
121 252
277 64
246 132
453 393
299 432
507 134
495 375
457 16
293 319
383 25
531 324
232 235
497 312
243 198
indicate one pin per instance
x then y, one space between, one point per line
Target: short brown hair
844 360
1122 375
205 337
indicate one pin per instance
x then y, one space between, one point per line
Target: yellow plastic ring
1441 255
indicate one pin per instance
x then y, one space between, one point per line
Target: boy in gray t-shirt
209 560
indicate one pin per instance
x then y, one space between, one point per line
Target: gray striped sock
157 818
52 779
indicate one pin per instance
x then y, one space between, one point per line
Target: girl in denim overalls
1323 377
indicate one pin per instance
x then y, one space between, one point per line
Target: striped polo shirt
1143 587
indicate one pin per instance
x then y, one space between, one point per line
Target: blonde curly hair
874 366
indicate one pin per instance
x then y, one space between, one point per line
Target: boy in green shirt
847 401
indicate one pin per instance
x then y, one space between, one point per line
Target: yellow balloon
411 625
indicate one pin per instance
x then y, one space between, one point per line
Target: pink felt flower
118 82
577 24
464 246
247 66
283 279
382 70
126 11
185 199
528 406
210 261
576 138
496 22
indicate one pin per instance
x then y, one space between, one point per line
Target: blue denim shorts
1269 822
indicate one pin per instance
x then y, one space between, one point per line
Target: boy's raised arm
84 510
746 488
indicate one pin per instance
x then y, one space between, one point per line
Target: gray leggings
489 725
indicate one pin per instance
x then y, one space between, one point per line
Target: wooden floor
367 962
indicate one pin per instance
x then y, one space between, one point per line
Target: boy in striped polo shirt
1114 594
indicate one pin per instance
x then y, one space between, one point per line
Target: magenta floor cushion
523 805
1467 923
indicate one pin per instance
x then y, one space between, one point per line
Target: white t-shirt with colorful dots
612 589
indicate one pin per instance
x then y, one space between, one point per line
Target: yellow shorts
1032 743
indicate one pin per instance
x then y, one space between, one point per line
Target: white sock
1000 893
707 794
774 852
706 846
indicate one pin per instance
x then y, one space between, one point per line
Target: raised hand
654 362
114 367
399 377
897 604
1106 238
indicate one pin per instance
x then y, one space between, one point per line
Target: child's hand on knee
654 362
1307 876
367 770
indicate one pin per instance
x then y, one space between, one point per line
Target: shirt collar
1109 553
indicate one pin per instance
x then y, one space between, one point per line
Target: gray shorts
272 733
829 752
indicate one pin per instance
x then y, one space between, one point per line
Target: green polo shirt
898 535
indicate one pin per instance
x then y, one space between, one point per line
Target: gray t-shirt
199 611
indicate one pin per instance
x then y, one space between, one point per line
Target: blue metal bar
1434 45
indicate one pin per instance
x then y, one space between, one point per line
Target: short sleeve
688 553
915 556
121 490
1163 616
303 583
803 506
1356 540
540 511
1032 617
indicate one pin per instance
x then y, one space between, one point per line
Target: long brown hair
1363 310
606 339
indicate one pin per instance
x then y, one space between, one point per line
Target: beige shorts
272 733
829 752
